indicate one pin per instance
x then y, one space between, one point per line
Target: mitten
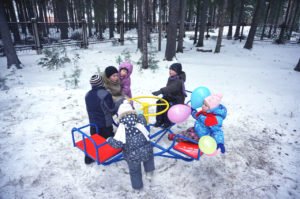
194 112
157 92
139 112
222 147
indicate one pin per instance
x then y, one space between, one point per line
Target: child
208 122
112 83
100 108
210 119
125 70
174 93
132 137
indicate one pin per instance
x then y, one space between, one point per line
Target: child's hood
127 65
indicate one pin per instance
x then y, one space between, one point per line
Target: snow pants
135 171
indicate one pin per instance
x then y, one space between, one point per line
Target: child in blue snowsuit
133 138
210 119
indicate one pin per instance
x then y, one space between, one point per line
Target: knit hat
110 70
96 80
124 109
213 100
176 67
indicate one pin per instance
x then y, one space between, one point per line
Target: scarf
210 119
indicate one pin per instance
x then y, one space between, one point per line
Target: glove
157 92
222 147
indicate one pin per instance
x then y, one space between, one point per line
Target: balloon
214 153
198 96
207 144
179 113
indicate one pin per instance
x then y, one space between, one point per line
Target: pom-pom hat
96 81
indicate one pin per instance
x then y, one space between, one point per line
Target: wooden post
85 42
36 37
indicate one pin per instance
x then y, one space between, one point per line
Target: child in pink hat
210 118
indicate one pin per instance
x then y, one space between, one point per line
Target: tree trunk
12 18
100 8
277 16
147 13
111 18
126 16
71 14
159 26
144 32
222 10
29 15
172 30
197 21
131 14
140 24
202 23
240 20
297 68
63 18
89 16
190 13
255 21
9 49
281 38
292 26
154 6
265 22
181 27
120 12
232 8
42 19
271 19
21 14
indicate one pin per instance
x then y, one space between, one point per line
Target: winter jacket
210 123
137 148
100 107
114 88
126 81
174 91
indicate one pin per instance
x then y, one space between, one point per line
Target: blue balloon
198 96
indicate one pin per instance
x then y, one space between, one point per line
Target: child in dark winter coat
100 108
133 138
125 70
173 92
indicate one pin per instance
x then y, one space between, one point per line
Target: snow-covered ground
261 92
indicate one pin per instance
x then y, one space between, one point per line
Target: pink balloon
179 113
214 153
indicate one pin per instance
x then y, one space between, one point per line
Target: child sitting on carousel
209 121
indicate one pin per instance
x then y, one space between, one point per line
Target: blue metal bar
114 159
88 137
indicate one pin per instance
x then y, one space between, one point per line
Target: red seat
188 148
104 153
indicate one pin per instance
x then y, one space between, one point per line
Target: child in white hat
133 138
